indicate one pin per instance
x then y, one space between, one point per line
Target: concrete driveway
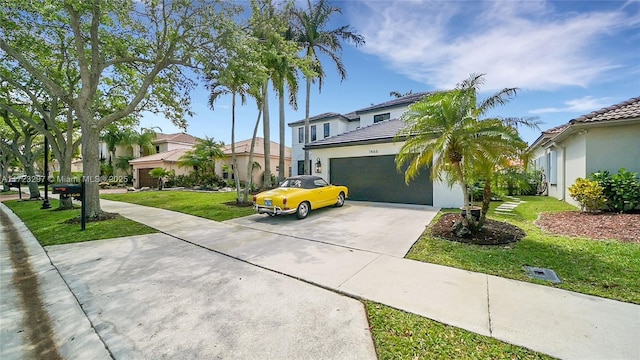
383 228
154 296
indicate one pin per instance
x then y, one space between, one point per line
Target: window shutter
553 167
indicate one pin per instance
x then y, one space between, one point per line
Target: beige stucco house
242 157
606 139
171 147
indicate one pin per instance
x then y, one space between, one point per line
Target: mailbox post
74 191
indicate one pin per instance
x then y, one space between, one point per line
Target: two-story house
358 150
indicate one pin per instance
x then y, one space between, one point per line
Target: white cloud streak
582 105
526 44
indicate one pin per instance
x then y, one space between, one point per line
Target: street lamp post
45 203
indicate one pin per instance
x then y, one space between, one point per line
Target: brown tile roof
169 156
628 109
556 129
177 137
244 146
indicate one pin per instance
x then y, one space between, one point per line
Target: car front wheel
340 200
303 210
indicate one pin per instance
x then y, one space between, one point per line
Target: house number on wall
372 151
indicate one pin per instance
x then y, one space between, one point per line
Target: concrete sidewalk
560 323
155 296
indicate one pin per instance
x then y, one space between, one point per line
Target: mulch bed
493 232
621 227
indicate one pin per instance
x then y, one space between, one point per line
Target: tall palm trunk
281 173
307 171
234 163
267 137
465 191
250 165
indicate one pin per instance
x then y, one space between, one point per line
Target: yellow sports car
299 195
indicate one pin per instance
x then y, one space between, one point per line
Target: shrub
589 194
622 190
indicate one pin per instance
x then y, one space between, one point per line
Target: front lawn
401 335
209 205
50 227
602 268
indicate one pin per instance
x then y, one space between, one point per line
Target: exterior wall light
318 165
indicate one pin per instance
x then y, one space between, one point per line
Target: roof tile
625 110
384 130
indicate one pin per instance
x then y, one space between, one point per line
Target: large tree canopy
130 56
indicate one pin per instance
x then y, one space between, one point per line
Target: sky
567 58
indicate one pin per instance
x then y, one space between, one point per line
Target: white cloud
525 44
582 105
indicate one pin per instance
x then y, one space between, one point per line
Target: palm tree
112 136
445 130
160 174
203 157
398 95
144 140
309 29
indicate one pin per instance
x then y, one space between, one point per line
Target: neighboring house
607 139
167 160
242 157
358 150
163 143
179 144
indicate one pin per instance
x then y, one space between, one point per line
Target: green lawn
49 227
209 205
401 335
603 268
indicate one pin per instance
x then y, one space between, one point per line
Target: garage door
144 179
375 178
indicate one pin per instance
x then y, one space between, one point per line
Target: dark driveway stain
36 321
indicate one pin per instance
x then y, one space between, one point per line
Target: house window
225 172
313 133
381 117
157 149
300 135
327 130
301 167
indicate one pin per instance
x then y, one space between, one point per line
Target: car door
323 191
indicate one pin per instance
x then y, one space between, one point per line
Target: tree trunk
34 191
307 171
281 169
65 176
91 168
267 137
250 166
5 160
234 163
486 201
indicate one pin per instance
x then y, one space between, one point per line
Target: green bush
589 194
622 190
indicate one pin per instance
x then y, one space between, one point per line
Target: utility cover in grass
542 274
